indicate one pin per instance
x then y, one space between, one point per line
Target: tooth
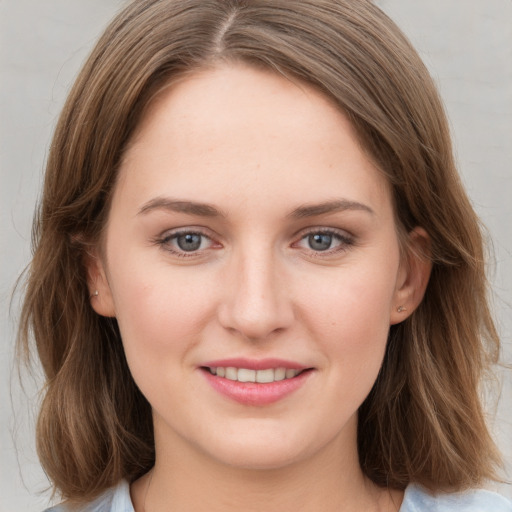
245 375
264 376
260 376
231 373
279 374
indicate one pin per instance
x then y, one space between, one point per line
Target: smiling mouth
266 376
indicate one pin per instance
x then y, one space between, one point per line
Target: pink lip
251 393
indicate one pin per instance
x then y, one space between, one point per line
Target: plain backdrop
467 45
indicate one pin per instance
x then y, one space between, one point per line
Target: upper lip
255 364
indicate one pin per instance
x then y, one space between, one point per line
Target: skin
256 148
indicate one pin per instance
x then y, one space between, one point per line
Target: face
252 262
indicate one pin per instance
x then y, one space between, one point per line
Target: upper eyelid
168 233
324 229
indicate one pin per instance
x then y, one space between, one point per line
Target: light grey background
467 44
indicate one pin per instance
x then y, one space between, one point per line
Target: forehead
235 127
209 93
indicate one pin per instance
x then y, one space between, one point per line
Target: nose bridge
256 303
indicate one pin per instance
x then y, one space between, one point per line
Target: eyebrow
207 210
334 206
173 205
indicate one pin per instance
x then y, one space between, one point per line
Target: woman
255 263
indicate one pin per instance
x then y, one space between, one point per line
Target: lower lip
252 393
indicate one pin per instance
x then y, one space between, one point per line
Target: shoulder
116 499
418 499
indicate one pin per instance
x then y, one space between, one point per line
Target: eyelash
166 239
345 241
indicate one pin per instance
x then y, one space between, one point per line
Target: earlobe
413 276
100 295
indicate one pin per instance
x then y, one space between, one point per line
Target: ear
99 289
413 276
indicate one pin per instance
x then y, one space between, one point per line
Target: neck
332 481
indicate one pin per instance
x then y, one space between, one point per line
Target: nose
256 303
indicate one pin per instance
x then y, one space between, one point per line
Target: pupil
320 242
189 242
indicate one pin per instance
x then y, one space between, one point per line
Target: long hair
423 420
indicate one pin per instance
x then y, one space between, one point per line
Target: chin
258 458
266 449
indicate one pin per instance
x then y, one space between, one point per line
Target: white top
416 499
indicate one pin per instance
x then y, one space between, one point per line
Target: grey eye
189 241
320 241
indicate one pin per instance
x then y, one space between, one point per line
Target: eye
185 242
325 241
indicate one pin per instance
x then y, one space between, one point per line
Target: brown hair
423 420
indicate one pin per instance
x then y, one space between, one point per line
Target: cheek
158 311
346 295
349 312
162 318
